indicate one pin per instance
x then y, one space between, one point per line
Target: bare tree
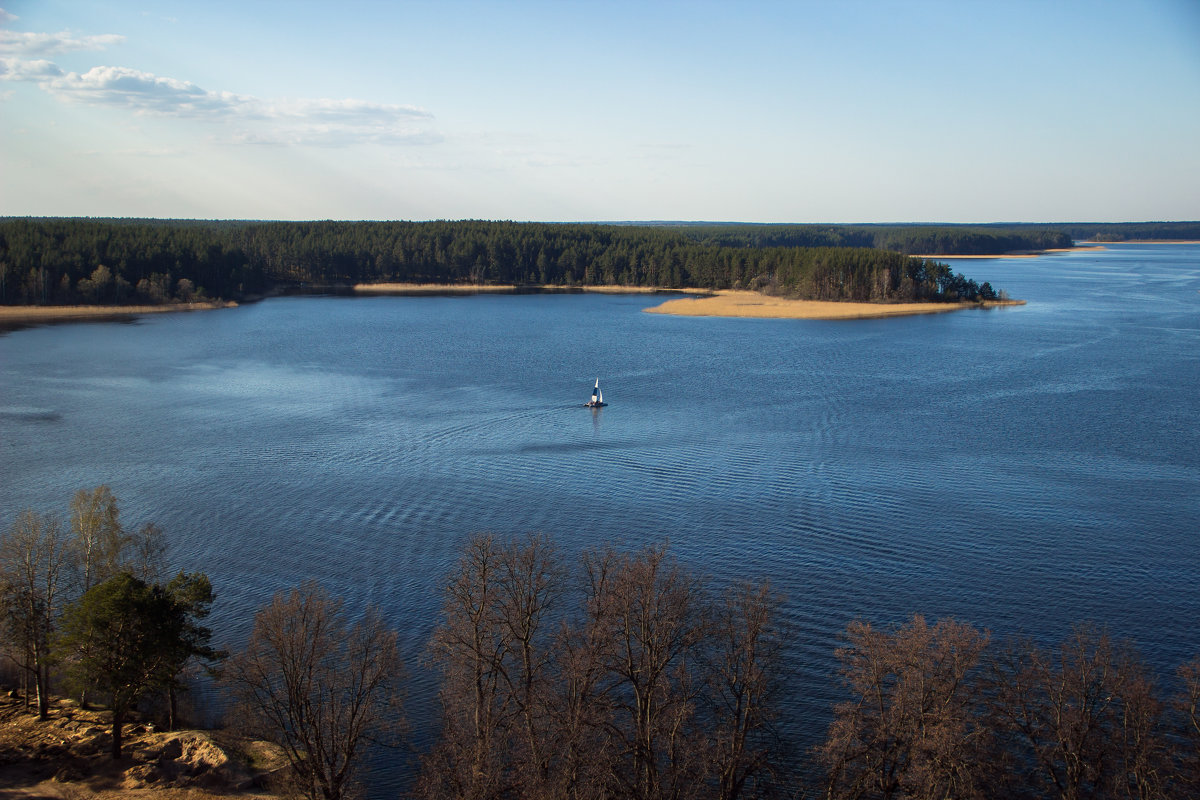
643 689
96 525
494 654
653 615
530 584
144 553
33 558
1187 703
1082 719
744 682
912 729
319 685
469 648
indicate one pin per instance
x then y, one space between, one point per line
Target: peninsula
730 303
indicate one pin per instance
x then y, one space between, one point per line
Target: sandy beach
458 288
1030 254
24 316
731 303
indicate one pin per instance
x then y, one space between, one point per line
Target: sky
851 111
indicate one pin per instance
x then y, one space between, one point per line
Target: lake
1019 468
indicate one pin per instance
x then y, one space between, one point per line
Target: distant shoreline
421 289
17 317
703 303
1030 254
733 303
1146 241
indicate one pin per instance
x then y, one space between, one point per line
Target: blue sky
753 111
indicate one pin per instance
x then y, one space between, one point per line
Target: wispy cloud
48 44
142 92
308 121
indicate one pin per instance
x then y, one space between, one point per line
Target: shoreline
1029 254
1145 241
752 305
423 289
17 317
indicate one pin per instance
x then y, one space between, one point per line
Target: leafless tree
494 655
641 687
96 526
1187 705
654 617
469 648
530 585
745 678
1081 720
144 553
319 685
33 559
912 729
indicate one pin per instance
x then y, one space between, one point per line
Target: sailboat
597 400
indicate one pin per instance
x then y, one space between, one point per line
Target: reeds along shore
12 317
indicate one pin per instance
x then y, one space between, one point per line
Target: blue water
1020 468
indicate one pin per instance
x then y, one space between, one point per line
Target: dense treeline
619 675
1133 231
63 261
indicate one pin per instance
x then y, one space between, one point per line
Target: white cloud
15 69
46 44
142 92
305 121
308 121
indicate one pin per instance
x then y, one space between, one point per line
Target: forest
68 261
617 674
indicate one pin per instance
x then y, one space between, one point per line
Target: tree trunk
118 718
43 692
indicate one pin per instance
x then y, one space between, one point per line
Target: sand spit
1023 254
731 303
13 317
418 289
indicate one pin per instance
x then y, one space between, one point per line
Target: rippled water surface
1019 468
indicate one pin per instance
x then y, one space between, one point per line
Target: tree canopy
59 261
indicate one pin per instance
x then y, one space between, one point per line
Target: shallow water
1020 468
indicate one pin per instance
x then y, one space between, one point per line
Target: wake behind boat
597 400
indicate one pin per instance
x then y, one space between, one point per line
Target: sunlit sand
1030 254
17 316
730 303
460 288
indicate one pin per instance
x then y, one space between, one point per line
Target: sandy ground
451 288
730 303
22 316
1030 254
68 757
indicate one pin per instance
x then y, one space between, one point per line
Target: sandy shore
1030 254
12 317
415 289
730 303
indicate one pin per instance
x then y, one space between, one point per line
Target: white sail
597 396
